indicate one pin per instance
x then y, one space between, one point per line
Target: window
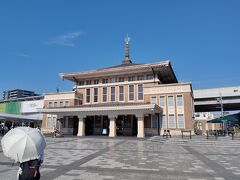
104 94
65 122
121 93
181 121
171 121
61 104
154 121
113 80
140 92
105 81
164 122
50 104
88 82
154 100
179 100
81 83
55 104
51 121
141 77
131 92
131 78
112 94
66 103
162 101
170 101
121 79
88 95
96 81
95 94
150 76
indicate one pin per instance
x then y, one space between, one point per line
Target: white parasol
23 144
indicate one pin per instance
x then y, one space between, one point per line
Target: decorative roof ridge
114 68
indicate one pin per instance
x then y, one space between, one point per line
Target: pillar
140 122
81 126
112 126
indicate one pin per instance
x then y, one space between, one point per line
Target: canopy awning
104 109
223 119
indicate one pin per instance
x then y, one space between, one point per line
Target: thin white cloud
23 55
65 39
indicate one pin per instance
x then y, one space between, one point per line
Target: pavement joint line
57 142
125 150
8 163
163 172
65 168
222 172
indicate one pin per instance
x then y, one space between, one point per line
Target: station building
123 100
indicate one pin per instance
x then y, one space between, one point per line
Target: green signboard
11 107
3 107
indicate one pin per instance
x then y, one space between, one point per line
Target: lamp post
225 123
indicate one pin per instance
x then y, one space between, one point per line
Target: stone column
112 126
140 122
81 125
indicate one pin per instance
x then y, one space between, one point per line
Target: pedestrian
54 131
29 170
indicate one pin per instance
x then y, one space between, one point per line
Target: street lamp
221 106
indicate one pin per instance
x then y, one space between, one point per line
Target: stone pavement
103 158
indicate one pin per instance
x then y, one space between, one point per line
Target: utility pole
221 104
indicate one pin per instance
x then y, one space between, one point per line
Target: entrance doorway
135 126
120 125
75 125
105 125
89 125
126 125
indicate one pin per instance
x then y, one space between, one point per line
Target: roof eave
166 75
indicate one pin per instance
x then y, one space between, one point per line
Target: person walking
29 170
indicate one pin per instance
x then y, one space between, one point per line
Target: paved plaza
103 158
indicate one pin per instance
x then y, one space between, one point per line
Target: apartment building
17 93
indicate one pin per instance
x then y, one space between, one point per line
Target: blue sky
39 39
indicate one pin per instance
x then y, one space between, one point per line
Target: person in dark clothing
29 170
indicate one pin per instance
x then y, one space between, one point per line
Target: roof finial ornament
127 39
127 54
